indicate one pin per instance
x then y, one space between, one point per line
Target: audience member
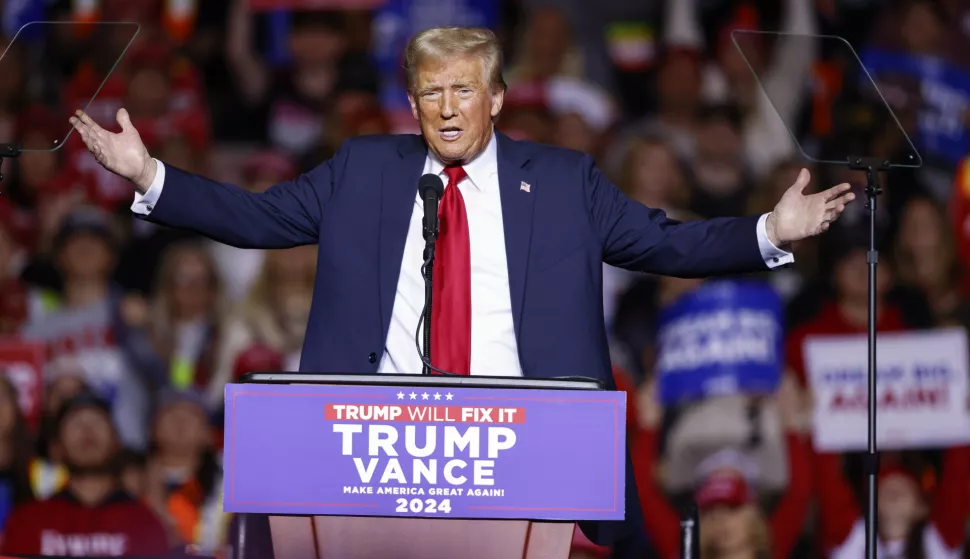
732 523
85 324
665 96
911 523
15 453
926 257
184 477
184 321
93 513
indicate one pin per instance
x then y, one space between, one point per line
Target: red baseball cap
723 488
258 358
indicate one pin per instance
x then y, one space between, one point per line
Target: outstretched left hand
797 216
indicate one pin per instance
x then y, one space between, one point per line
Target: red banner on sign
23 364
268 5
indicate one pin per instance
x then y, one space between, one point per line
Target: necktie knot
455 174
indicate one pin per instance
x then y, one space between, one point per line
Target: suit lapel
399 188
518 187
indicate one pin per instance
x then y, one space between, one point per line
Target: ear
414 106
498 97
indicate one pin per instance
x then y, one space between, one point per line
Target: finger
89 122
85 134
836 191
840 201
804 177
83 129
89 140
124 120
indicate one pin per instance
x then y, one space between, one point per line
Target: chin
452 153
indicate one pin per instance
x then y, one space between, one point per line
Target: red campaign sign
23 363
268 5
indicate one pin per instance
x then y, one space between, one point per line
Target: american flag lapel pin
524 186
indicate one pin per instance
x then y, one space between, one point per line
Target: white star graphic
437 395
413 395
449 396
400 395
424 396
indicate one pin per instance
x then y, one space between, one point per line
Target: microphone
430 187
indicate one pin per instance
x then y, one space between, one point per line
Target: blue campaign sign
399 20
724 338
944 89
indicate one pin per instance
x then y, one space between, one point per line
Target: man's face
86 255
87 440
182 427
455 105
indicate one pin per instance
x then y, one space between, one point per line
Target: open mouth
450 134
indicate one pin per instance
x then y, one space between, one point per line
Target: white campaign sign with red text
921 390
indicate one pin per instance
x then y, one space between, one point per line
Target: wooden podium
345 537
310 521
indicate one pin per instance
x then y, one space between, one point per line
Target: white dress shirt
494 351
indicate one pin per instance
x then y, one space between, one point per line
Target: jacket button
372 357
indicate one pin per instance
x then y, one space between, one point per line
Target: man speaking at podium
525 228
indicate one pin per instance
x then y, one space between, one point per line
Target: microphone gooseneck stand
872 167
427 272
431 189
425 319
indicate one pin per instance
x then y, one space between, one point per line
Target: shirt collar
479 170
117 496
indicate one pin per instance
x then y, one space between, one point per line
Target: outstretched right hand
123 154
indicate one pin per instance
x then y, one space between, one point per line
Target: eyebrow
434 86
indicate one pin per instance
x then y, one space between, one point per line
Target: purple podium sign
433 452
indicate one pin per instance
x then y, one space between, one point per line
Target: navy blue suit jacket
357 208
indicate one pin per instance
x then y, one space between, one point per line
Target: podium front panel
428 452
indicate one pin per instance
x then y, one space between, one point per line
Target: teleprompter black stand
872 167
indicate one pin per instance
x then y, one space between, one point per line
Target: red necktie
451 302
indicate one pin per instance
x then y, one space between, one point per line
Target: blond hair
442 43
759 538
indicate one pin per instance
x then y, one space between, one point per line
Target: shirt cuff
145 203
772 255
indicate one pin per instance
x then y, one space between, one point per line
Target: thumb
804 177
124 120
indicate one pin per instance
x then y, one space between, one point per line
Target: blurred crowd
138 328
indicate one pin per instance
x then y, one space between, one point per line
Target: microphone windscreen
431 184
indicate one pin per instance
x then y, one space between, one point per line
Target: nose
448 105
